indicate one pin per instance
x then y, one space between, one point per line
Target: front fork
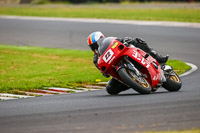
126 63
162 79
129 65
166 71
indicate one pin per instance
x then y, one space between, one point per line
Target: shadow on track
131 94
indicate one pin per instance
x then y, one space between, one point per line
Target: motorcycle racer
94 40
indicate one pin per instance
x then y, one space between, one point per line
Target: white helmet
93 38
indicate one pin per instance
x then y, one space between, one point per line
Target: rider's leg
158 57
114 87
143 45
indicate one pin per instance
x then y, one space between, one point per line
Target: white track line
194 68
64 89
37 94
75 90
7 98
90 20
13 95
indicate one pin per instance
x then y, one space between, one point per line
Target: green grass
27 68
90 11
178 66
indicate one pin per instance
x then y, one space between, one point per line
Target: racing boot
161 59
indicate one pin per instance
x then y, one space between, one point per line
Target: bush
40 2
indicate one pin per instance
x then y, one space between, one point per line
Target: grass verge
92 11
28 68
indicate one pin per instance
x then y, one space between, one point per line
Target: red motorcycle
135 68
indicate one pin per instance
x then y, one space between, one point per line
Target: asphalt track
96 111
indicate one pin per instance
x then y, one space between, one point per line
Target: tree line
118 1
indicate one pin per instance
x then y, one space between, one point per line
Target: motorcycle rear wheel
142 85
173 83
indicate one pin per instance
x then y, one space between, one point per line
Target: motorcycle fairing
110 61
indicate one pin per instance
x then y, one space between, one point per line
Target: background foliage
106 1
117 1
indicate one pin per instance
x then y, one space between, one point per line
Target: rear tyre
114 87
173 83
139 84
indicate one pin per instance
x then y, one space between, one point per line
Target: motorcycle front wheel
173 82
138 83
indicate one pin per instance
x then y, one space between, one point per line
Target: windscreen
104 43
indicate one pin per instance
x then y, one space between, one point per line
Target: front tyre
138 83
173 82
